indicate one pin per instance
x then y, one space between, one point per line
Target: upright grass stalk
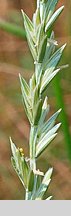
20 32
46 58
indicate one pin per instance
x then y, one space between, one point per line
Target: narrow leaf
31 181
25 171
36 18
32 84
25 94
45 110
28 21
53 18
44 185
35 96
13 148
46 134
14 166
37 112
43 145
53 61
39 35
50 9
42 10
48 80
49 198
49 51
50 122
42 49
30 35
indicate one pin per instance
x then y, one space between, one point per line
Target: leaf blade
44 185
53 18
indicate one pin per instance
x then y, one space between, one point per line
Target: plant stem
32 144
27 194
33 164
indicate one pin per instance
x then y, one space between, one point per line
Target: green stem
32 145
63 116
26 195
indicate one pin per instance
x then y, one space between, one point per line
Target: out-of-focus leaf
12 29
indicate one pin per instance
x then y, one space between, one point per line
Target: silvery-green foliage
46 55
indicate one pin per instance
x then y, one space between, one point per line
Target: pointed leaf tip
19 76
53 18
63 47
59 110
22 12
49 198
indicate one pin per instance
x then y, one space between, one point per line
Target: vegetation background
14 58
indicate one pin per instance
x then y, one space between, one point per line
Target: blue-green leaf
49 10
20 165
42 49
45 138
53 18
49 123
50 132
53 61
37 112
42 145
48 80
30 35
45 110
44 185
26 98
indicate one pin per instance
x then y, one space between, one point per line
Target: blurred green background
15 58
